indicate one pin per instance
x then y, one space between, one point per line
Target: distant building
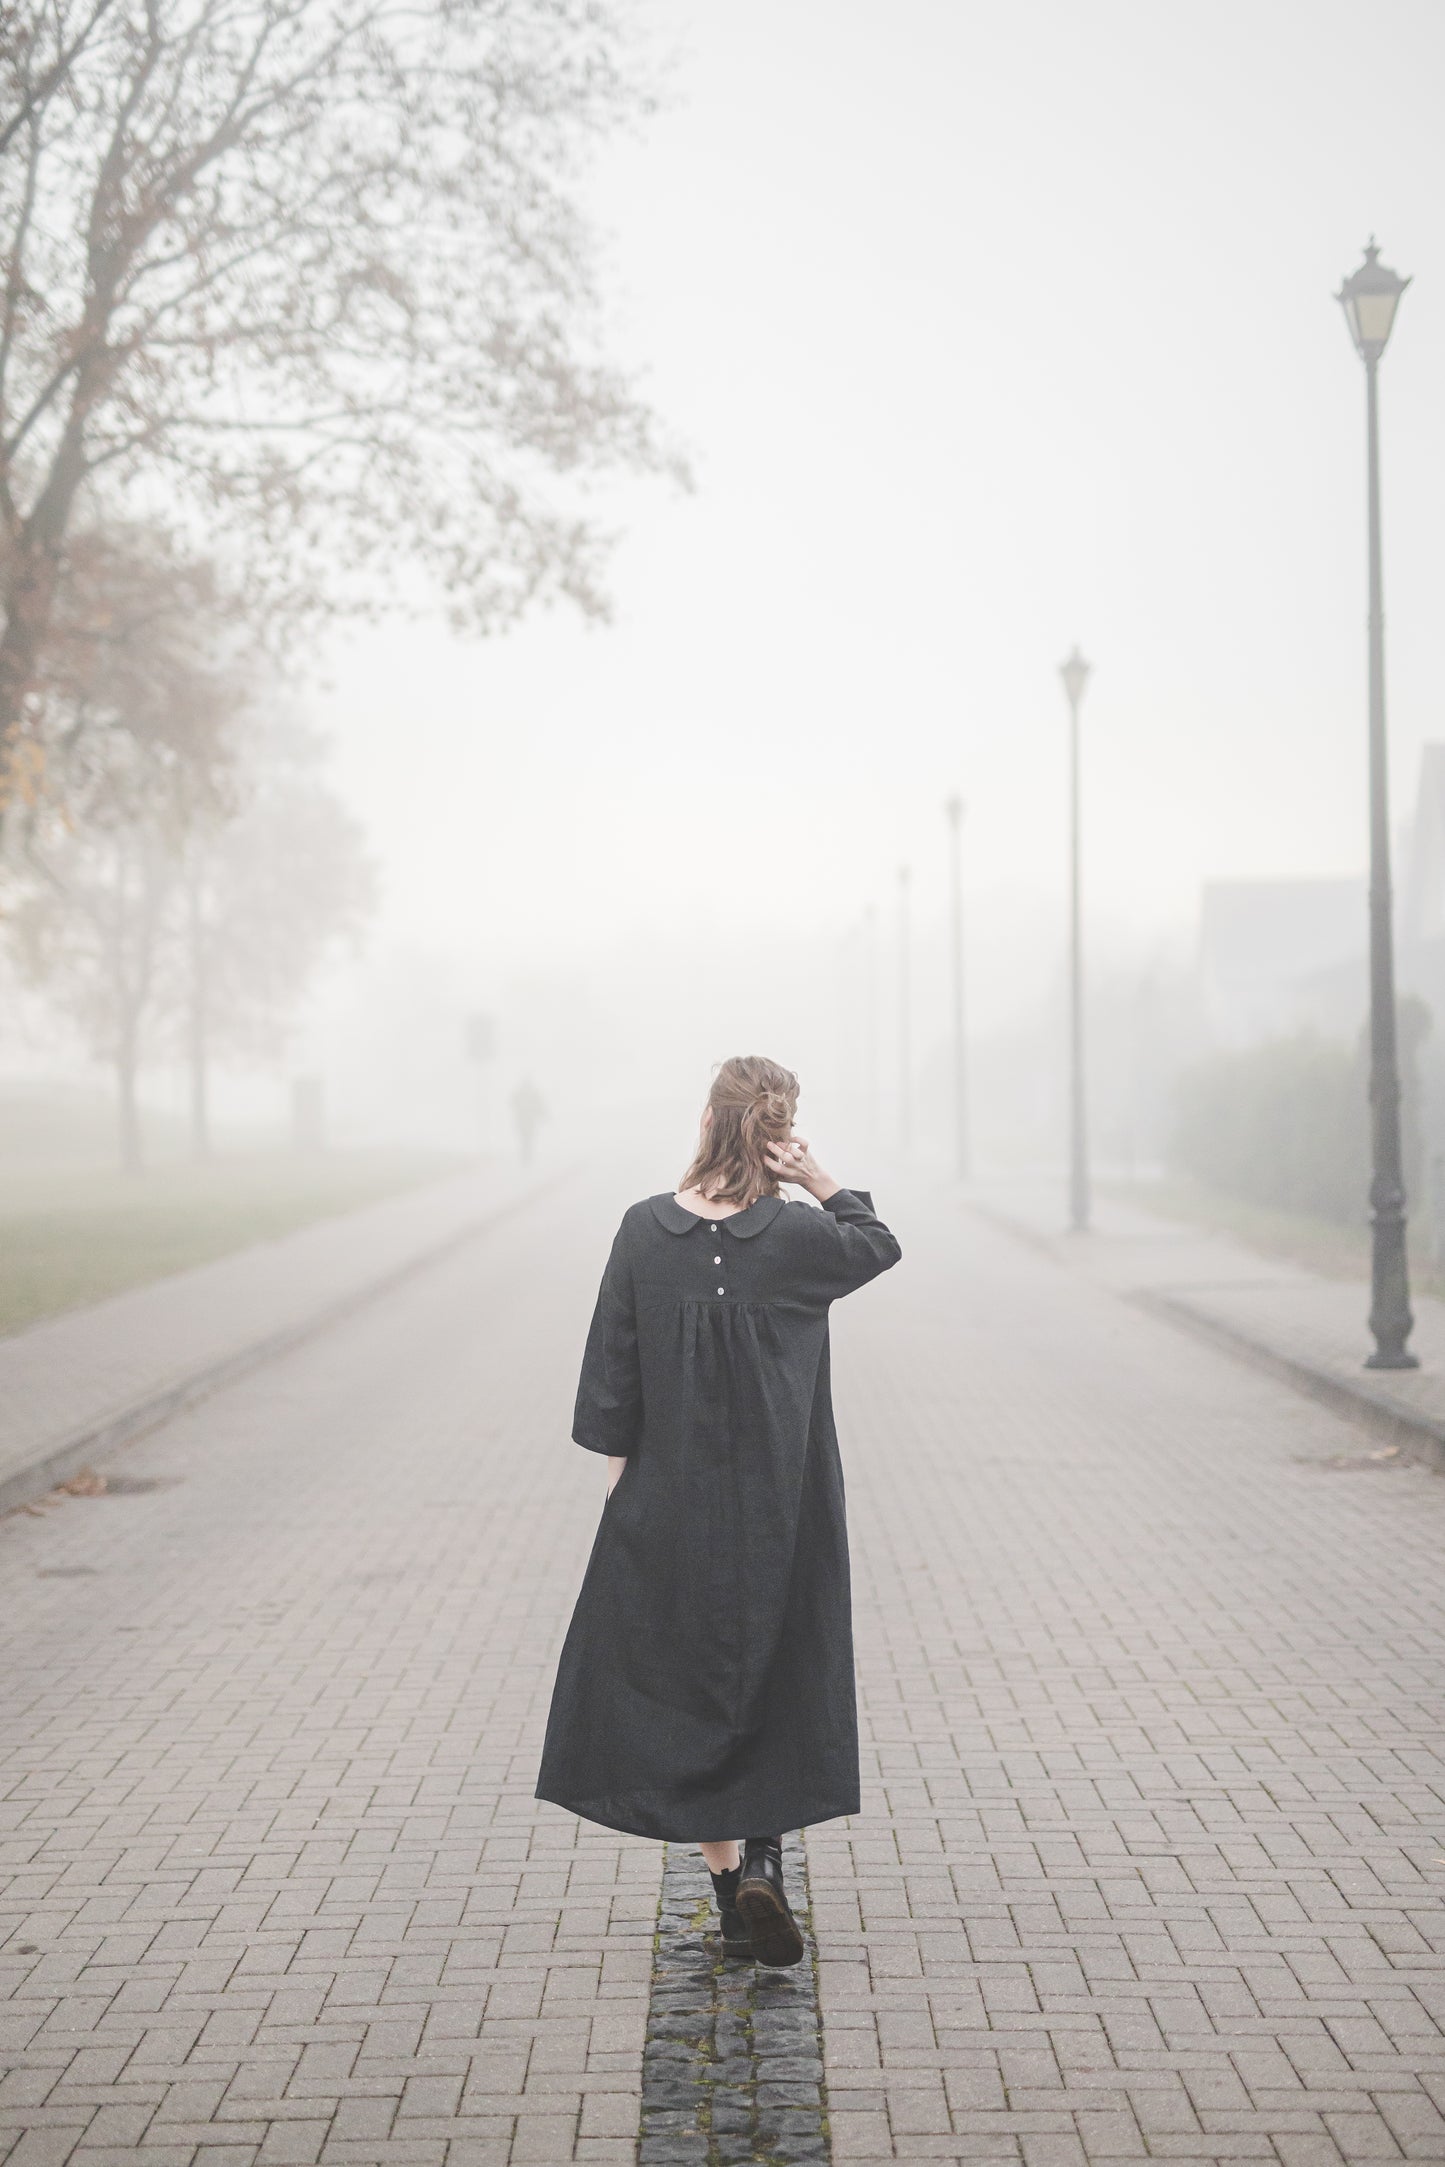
1286 955
1281 955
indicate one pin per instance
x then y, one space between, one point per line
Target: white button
717 1260
722 1290
713 1228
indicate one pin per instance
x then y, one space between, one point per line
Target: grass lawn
72 1234
1321 1245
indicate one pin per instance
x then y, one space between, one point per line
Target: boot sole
772 1929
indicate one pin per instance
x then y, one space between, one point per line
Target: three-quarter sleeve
608 1414
851 1245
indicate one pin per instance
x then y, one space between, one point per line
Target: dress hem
664 1827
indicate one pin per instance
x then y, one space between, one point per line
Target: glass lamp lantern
1075 673
1369 298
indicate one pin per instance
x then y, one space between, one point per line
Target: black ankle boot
772 1929
734 1935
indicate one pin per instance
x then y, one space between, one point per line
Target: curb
1422 1435
59 1462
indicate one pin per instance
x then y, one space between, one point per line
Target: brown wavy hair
753 1103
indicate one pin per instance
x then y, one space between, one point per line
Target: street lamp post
954 810
905 1015
1370 297
1075 674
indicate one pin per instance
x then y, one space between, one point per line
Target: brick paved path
1151 1657
1152 1663
269 1746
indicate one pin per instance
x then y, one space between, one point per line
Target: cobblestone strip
733 2066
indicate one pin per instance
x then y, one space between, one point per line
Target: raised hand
794 1161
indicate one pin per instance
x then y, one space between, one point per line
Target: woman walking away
705 1687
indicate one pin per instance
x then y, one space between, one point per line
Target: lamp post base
1390 1320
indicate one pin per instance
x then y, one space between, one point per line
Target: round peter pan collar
742 1225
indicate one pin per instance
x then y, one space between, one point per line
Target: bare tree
270 894
316 266
93 924
143 644
174 919
146 684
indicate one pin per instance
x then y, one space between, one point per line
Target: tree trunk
30 607
132 1153
35 556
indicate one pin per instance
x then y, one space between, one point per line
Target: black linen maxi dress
705 1688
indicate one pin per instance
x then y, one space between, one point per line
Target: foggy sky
988 329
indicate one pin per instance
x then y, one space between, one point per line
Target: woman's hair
753 1102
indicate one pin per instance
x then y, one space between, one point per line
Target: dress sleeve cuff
841 1198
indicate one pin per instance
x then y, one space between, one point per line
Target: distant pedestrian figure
529 1111
706 1682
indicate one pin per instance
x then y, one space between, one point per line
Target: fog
985 331
546 544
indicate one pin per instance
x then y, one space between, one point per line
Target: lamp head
1369 298
1075 673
